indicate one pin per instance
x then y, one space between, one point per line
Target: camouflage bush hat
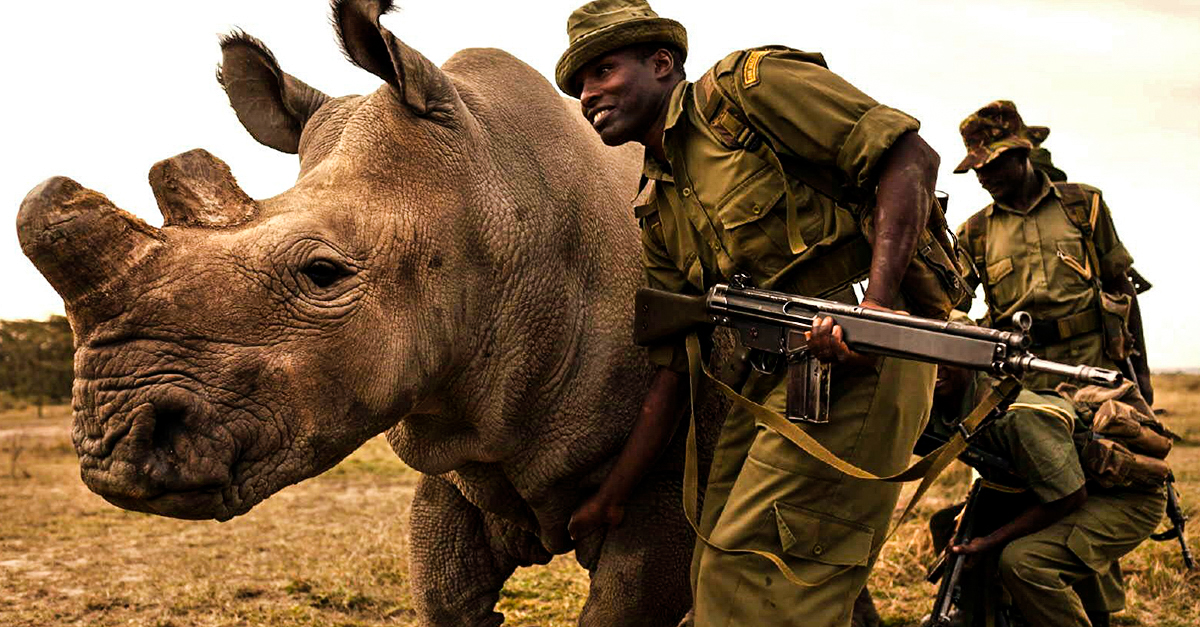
993 129
602 26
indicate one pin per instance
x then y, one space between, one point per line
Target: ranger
1049 249
772 167
1083 490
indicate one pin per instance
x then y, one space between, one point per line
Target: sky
101 91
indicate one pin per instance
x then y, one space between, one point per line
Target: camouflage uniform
711 212
1036 260
1079 551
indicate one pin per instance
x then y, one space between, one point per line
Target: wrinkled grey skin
455 266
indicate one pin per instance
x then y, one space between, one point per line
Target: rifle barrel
1090 374
875 331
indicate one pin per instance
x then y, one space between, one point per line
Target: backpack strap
976 236
729 123
1082 207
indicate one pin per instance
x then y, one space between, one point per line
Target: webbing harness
993 405
728 122
1082 215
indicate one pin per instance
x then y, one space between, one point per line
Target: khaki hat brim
613 37
984 155
1037 134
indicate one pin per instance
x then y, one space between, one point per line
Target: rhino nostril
168 424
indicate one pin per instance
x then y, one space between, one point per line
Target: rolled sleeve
1115 259
821 118
870 139
661 274
1041 449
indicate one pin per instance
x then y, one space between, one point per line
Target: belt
1047 332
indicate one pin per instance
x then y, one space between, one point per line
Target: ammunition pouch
1111 464
1125 445
933 285
1122 423
1114 314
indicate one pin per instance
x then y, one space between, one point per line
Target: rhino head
248 344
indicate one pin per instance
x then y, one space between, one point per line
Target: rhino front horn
79 240
197 189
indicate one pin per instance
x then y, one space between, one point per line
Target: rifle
996 468
1178 519
949 566
774 323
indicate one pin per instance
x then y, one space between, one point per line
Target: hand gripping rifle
774 323
950 566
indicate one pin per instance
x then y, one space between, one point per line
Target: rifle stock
662 315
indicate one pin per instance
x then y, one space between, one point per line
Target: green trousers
764 493
1039 569
1099 592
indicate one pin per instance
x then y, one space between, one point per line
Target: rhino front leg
639 570
457 564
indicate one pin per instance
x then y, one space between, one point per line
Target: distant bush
9 402
36 361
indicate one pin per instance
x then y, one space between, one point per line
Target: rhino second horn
79 240
197 189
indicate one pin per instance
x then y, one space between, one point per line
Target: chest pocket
1002 282
1072 267
754 219
646 209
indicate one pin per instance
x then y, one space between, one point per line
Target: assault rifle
774 324
1178 519
948 569
950 566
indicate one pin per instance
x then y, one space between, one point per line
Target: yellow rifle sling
927 468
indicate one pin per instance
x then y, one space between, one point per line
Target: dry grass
331 551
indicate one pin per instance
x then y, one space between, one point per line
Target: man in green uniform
717 201
1058 556
1046 248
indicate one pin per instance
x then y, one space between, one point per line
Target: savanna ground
331 551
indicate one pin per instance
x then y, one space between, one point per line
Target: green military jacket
1036 436
712 212
1037 260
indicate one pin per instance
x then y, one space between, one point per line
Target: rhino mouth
164 455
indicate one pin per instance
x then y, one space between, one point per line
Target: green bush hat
993 129
601 26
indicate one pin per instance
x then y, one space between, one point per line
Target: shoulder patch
750 67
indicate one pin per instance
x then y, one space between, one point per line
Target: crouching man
1085 479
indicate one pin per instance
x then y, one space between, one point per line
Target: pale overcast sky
99 91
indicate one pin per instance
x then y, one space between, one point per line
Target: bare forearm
651 433
902 204
1036 518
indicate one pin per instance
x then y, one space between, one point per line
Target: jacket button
818 549
687 191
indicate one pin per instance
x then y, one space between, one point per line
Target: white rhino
455 266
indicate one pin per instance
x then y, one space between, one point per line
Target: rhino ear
272 105
422 86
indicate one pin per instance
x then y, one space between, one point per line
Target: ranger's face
1004 175
620 95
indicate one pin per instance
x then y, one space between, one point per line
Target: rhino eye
323 273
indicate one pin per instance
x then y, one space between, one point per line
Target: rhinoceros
454 266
